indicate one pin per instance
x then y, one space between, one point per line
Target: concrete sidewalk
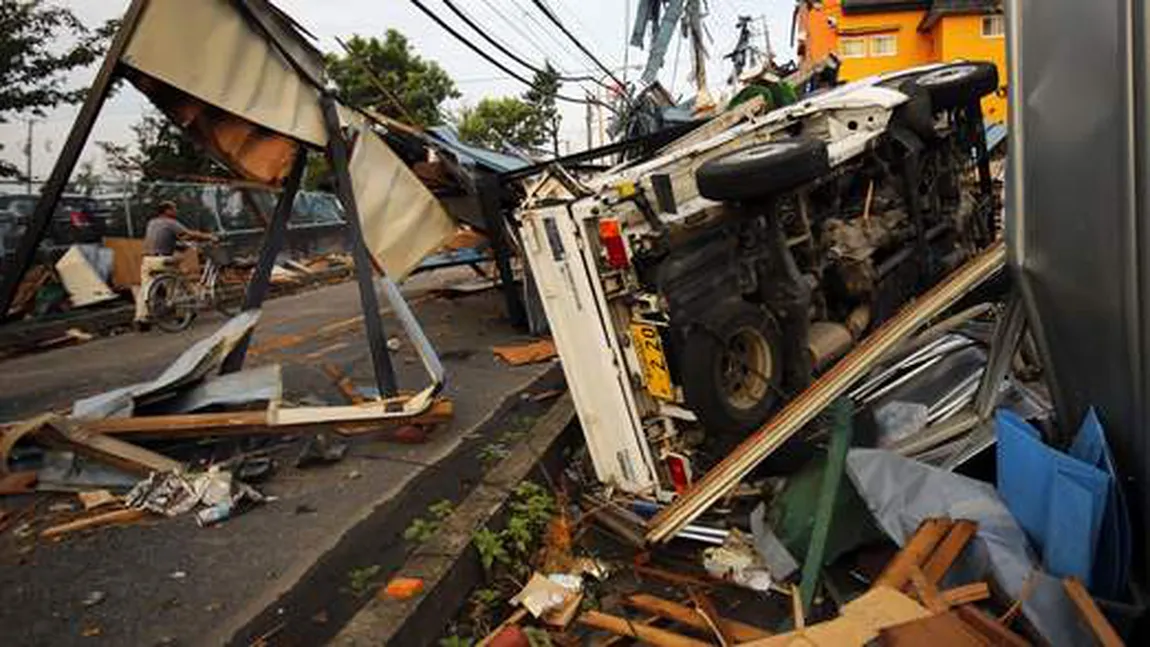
171 582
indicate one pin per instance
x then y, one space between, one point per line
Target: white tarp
402 221
209 50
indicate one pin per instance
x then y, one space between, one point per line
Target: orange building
874 36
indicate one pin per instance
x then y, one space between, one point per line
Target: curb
448 564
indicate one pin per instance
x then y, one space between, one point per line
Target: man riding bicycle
160 239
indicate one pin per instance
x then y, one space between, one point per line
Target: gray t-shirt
160 238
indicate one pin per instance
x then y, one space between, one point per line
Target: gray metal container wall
1077 201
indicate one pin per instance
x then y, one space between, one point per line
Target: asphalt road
172 582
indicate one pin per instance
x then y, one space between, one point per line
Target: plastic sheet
901 493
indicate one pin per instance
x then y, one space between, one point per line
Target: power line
484 55
572 55
555 19
526 35
499 46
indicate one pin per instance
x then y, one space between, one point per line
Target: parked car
77 219
701 288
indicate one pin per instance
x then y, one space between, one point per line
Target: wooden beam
833 384
965 594
987 626
949 549
689 617
646 633
351 421
129 515
1103 631
917 549
927 591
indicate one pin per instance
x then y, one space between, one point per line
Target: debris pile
192 441
924 497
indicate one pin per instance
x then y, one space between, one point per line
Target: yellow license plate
649 347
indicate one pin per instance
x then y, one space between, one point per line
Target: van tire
957 85
763 170
732 369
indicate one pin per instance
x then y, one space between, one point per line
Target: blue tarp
1066 502
467 154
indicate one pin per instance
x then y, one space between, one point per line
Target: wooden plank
965 594
940 630
1103 631
859 622
917 549
625 627
688 617
985 625
834 383
949 549
927 591
129 515
351 421
65 434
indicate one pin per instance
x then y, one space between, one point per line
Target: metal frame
69 156
338 156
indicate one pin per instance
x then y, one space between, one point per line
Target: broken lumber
987 626
859 622
918 548
65 434
688 617
927 591
129 515
738 464
351 419
943 629
1084 603
646 633
949 549
965 594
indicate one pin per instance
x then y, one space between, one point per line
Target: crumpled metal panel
1077 195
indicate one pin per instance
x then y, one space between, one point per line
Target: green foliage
529 121
491 548
41 44
532 507
496 122
456 641
542 97
360 580
388 76
493 453
422 529
161 152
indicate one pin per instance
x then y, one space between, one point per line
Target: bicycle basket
219 255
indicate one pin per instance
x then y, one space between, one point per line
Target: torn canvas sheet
901 493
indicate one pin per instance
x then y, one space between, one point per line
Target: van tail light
611 237
679 469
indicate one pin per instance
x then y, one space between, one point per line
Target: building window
993 26
884 46
852 47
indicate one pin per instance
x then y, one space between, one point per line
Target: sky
600 24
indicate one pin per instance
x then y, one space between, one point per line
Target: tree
34 69
162 152
500 121
389 77
529 122
541 96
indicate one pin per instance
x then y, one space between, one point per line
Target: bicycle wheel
171 304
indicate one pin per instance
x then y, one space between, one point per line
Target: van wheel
732 369
955 86
762 170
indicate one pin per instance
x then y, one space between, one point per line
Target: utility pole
28 156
